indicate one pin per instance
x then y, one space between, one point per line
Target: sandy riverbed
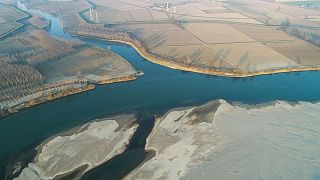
218 140
90 146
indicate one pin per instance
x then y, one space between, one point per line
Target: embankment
184 67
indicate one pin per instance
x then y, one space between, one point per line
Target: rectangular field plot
8 17
8 27
191 54
10 14
263 33
141 15
161 35
157 15
299 51
251 56
217 33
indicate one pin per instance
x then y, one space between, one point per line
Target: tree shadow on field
196 55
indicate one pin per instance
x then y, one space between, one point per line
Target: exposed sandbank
88 147
223 141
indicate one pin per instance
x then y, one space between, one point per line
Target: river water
157 91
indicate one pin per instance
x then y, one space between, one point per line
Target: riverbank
238 74
63 91
99 65
177 66
39 97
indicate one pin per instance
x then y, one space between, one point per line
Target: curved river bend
157 91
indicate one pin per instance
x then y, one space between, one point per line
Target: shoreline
6 111
160 61
199 70
43 99
174 65
64 93
126 130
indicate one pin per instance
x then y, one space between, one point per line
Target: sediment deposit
82 149
218 140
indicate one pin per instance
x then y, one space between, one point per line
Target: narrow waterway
157 91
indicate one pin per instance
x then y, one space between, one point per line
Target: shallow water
157 91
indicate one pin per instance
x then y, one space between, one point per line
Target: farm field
226 47
107 14
91 63
38 22
228 37
67 10
8 19
162 132
33 65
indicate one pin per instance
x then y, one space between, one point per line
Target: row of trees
18 73
17 76
308 35
49 54
36 56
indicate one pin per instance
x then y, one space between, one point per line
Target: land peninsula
232 38
36 67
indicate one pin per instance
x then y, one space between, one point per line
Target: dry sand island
219 140
81 149
228 38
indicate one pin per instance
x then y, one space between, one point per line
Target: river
157 91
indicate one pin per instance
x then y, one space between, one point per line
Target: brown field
17 43
224 46
38 22
108 15
299 51
276 12
86 60
8 19
236 35
89 62
31 62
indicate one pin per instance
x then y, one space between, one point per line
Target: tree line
307 35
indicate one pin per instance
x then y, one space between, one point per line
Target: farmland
8 19
36 67
234 38
67 10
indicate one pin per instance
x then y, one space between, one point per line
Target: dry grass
88 61
231 36
215 45
8 19
38 22
17 43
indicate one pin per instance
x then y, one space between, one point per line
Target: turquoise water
306 4
157 91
